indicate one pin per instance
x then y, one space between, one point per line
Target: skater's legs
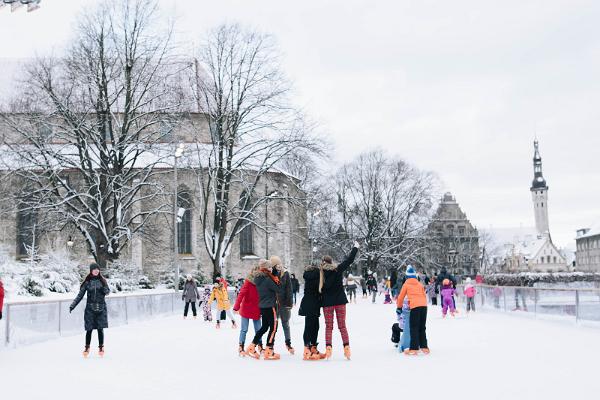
423 328
231 317
285 313
272 329
311 330
88 338
244 329
328 312
340 313
101 337
194 308
415 321
374 295
186 308
405 339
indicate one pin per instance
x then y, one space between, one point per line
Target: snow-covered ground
487 356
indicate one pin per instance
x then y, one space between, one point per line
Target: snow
490 356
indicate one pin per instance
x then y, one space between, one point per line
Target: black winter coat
295 285
311 302
286 299
268 290
96 313
444 275
333 286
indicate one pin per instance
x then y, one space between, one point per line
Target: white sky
457 87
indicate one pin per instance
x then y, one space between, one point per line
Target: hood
310 268
253 275
329 267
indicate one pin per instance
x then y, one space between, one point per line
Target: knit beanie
94 266
410 272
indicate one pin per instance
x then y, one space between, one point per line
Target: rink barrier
29 322
574 304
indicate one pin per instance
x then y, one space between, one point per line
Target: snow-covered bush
122 277
167 278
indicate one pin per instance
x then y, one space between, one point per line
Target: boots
86 351
260 349
327 352
290 349
316 355
347 353
251 351
101 351
271 355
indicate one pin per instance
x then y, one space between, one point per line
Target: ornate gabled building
453 240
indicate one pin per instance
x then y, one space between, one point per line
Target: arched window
184 222
26 229
247 234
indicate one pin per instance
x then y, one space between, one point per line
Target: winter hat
446 282
189 277
410 272
94 266
468 280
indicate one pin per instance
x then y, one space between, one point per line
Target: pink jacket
470 291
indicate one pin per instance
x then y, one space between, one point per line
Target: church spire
538 179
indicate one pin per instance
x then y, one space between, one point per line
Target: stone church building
152 253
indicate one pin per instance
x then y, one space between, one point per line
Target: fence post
59 319
535 301
504 297
173 303
576 306
7 324
126 312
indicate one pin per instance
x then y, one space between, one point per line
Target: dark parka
190 292
96 314
333 285
311 302
444 275
268 290
286 299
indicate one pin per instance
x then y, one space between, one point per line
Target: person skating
220 294
351 287
448 298
269 290
285 300
205 304
430 290
404 323
417 300
310 309
372 287
334 299
96 314
295 287
470 293
190 295
247 305
444 274
363 287
1 297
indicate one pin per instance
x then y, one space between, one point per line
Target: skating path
482 356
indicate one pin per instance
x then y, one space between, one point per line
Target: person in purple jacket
447 293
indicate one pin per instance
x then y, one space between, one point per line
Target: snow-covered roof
594 231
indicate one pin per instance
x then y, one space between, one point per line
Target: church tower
539 193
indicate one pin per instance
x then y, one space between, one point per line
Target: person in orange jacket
417 301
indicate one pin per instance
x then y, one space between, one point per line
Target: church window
184 225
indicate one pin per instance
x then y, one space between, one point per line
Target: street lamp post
178 154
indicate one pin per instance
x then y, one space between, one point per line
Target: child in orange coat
417 300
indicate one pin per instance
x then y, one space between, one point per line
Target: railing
32 322
579 305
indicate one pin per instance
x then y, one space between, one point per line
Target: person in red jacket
247 305
1 297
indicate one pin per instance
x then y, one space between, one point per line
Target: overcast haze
459 88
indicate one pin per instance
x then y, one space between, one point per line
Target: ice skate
241 351
251 351
271 355
316 354
425 351
233 325
347 352
306 356
101 351
218 325
328 352
411 353
86 351
290 349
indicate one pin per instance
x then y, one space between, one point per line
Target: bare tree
85 129
254 128
387 203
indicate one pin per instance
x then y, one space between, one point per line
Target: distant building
588 249
534 253
454 240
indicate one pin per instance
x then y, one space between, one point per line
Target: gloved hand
182 298
398 311
70 309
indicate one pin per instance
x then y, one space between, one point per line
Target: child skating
219 293
447 293
205 303
417 300
470 293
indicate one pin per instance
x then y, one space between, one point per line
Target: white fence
32 322
579 305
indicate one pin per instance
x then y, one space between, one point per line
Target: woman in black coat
310 308
331 285
96 314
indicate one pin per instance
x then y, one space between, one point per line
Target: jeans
244 328
405 339
285 313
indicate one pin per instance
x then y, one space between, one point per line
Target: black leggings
187 306
269 323
88 337
311 330
418 321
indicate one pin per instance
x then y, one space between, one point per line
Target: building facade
453 240
587 255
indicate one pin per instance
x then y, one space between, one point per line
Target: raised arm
349 260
